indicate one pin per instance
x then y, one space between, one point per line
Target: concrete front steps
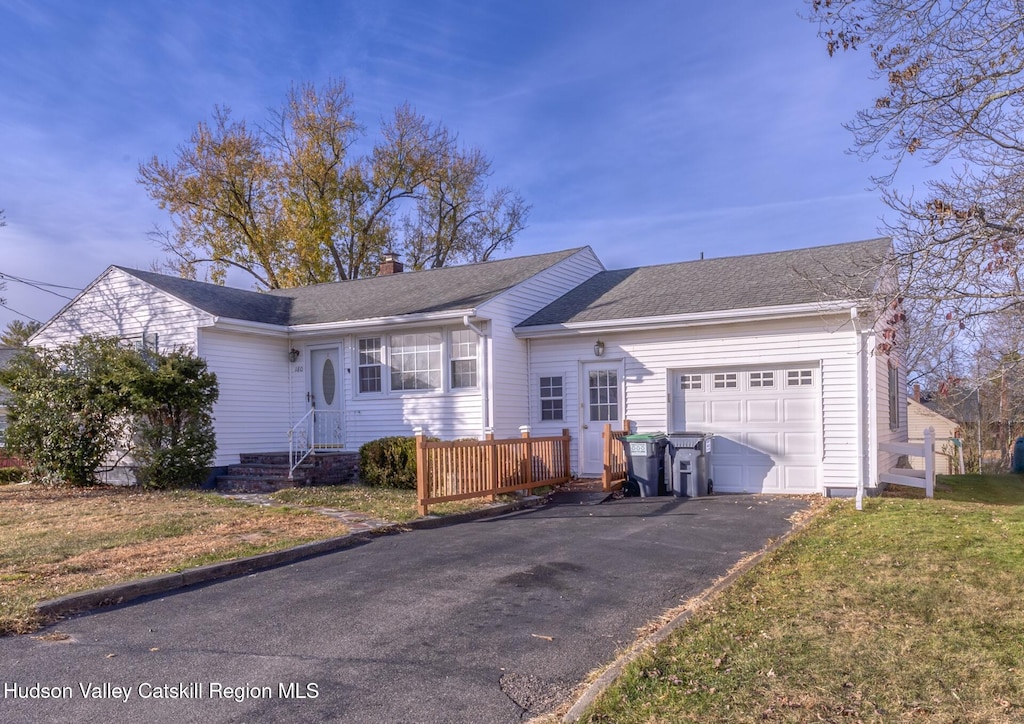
267 472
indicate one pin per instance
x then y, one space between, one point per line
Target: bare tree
952 82
291 204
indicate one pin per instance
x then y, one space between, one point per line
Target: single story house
774 353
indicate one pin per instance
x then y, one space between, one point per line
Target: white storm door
325 392
601 403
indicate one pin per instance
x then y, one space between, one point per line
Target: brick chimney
391 265
917 393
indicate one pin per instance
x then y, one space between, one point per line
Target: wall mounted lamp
293 354
598 348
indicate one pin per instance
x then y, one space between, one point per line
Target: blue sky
651 130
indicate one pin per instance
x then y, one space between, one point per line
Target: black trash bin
1018 455
645 455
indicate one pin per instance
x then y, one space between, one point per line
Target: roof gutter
684 320
301 330
347 325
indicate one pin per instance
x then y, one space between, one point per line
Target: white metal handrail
317 430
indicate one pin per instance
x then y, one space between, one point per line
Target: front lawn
55 541
397 506
909 610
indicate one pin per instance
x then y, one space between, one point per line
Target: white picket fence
906 476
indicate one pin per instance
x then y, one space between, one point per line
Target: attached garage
775 354
766 421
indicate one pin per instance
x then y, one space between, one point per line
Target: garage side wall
649 358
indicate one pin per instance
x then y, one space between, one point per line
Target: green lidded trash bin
645 454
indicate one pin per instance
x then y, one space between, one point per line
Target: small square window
691 382
725 380
760 380
799 378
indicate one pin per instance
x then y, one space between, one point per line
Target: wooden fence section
906 476
476 468
615 465
10 461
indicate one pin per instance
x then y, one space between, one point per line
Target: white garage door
766 421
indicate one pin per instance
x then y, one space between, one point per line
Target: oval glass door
325 397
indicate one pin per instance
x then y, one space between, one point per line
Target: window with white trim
462 358
724 380
691 382
552 401
415 361
371 359
761 380
799 378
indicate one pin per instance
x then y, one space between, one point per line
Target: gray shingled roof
417 292
218 300
825 273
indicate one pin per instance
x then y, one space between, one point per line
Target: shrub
389 462
89 404
11 475
172 403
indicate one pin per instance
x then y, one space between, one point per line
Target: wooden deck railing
615 465
457 470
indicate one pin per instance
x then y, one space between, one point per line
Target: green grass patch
391 504
910 609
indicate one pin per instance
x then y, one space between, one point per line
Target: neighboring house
772 352
919 418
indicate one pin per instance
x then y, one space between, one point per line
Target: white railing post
929 462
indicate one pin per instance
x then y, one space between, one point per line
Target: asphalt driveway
490 621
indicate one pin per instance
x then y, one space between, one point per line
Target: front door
325 393
601 404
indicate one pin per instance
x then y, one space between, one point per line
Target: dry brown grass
58 541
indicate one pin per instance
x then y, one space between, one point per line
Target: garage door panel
801 479
726 411
769 443
761 411
695 414
799 443
800 410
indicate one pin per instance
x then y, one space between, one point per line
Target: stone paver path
356 522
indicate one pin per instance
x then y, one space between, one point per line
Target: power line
3 303
41 286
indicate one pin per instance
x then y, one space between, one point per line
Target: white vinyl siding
511 392
120 305
251 414
825 344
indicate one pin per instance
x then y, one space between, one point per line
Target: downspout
485 396
862 409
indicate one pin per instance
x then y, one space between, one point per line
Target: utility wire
3 303
41 286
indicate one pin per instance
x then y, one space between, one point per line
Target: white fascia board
247 327
685 320
300 330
